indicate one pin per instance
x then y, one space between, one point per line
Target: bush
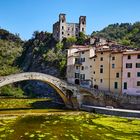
9 90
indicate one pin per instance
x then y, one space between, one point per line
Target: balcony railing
78 62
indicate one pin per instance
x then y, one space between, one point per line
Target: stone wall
100 98
109 111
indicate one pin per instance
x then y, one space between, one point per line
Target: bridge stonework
69 93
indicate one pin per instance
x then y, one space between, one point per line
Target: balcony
78 62
76 55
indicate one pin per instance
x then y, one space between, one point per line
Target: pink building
131 73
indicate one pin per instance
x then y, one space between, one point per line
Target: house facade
104 68
131 72
78 64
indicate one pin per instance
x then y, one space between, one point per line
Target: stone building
62 29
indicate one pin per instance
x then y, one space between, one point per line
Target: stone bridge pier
69 93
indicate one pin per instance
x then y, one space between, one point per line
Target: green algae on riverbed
69 126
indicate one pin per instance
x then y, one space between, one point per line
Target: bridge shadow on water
49 104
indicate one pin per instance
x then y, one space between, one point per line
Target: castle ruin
62 29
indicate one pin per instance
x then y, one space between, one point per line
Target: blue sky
26 16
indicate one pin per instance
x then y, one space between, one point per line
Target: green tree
70 41
124 33
81 39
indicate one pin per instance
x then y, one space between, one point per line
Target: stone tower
62 26
82 24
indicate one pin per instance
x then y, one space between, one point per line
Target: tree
70 41
81 39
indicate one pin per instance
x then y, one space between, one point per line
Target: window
101 80
128 65
116 85
77 75
128 74
113 66
82 59
94 59
101 70
82 52
101 59
62 27
94 72
90 66
76 29
82 68
83 29
62 33
77 67
125 85
76 59
138 74
82 76
138 83
101 52
68 34
94 80
68 29
137 65
117 75
113 58
62 20
129 57
138 56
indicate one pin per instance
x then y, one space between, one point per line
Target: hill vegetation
125 33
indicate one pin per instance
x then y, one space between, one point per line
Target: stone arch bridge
69 93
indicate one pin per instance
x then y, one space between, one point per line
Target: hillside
43 54
10 51
125 33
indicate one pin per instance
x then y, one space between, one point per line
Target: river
21 120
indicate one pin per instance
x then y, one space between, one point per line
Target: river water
68 126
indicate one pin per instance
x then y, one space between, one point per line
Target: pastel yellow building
107 69
100 69
115 76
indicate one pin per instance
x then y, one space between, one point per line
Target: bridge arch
59 85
